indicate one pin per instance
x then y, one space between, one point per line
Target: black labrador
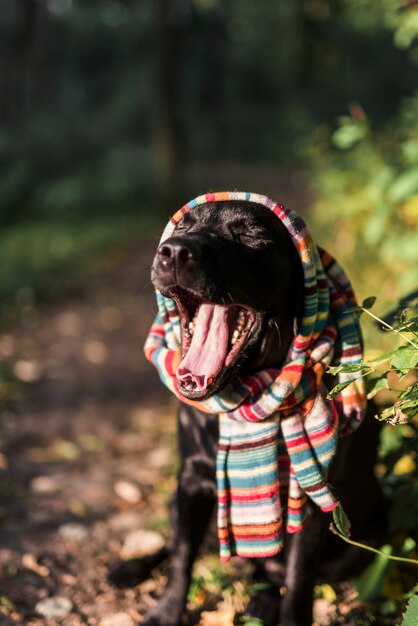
239 255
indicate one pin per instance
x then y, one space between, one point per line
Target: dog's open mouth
213 336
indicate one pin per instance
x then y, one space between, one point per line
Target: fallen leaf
127 491
221 617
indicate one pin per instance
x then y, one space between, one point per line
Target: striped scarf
278 432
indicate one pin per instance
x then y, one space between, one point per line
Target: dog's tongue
209 347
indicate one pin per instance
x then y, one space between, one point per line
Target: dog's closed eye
250 234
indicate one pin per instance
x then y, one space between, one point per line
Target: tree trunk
17 47
169 131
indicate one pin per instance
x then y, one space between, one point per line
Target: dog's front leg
301 565
193 506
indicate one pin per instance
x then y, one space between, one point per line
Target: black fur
237 252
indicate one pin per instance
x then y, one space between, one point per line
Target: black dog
239 255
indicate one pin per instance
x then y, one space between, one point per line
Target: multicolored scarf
278 432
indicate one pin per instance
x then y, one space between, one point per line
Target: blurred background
113 113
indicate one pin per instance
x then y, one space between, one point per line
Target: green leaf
408 327
404 186
341 521
349 134
406 358
338 388
369 302
411 393
349 368
407 404
383 358
246 620
376 384
370 583
410 617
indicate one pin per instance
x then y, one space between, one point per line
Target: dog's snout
178 252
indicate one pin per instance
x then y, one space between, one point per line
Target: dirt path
86 448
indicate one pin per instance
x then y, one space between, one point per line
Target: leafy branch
401 362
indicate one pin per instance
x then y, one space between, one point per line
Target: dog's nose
178 252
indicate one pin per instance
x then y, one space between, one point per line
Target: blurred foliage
81 110
104 105
44 260
367 209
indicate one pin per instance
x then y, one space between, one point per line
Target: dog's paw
129 573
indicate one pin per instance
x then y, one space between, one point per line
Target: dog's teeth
235 336
191 328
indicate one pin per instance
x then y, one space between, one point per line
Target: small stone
43 484
140 543
29 561
55 607
69 579
125 521
73 531
95 352
127 491
117 619
27 371
159 458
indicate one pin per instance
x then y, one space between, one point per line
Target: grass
44 260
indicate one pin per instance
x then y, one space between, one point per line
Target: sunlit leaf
338 388
405 358
349 368
376 385
341 521
383 358
405 185
348 135
405 465
410 617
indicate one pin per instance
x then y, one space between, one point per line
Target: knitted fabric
278 433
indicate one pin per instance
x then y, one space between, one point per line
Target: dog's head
237 281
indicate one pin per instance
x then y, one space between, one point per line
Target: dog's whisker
147 285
